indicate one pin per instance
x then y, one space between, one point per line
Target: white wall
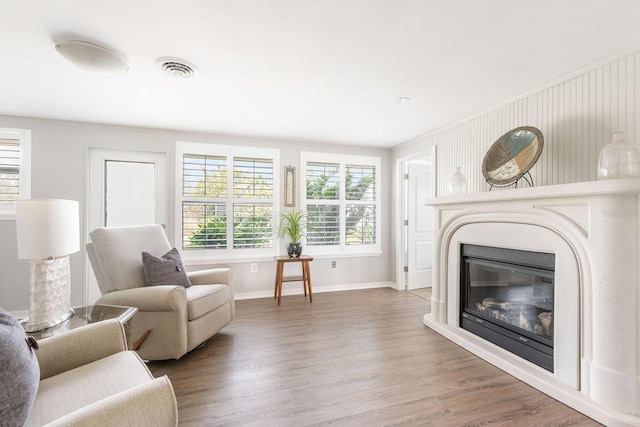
577 116
59 170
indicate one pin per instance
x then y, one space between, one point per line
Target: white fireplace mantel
593 228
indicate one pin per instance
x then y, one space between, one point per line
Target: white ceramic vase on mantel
619 159
458 182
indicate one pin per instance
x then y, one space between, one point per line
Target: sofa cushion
74 389
202 299
164 270
19 372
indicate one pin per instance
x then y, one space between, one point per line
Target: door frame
95 202
400 203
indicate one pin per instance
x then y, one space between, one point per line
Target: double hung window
342 200
15 169
227 199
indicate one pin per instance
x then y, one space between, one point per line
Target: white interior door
124 188
420 186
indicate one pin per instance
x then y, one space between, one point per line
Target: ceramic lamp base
49 293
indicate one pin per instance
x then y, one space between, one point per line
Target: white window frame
342 160
228 151
8 212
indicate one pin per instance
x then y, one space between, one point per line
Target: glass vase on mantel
619 159
458 182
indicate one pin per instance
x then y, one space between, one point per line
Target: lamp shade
47 228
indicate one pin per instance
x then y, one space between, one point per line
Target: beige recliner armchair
87 378
179 318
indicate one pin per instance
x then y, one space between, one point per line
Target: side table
305 278
90 314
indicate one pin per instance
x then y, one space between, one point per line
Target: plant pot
294 250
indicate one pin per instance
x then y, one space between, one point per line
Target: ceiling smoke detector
177 67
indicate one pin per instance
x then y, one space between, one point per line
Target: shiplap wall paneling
577 117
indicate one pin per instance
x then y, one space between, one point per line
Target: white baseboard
297 290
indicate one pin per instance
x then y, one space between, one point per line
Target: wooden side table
305 278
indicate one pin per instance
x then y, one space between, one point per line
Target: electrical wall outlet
333 264
254 267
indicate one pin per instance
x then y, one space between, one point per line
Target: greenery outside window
15 170
342 202
226 199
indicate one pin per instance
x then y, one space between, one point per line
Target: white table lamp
48 231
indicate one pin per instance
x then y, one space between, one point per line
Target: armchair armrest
151 403
90 343
212 276
149 298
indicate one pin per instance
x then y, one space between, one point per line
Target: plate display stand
527 177
511 157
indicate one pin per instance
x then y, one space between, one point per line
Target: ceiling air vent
177 67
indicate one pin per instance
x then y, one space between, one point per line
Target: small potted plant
293 224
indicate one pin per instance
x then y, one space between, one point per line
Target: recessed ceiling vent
177 67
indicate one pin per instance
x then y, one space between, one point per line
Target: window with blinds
323 206
227 197
15 173
9 171
360 207
204 176
341 201
252 184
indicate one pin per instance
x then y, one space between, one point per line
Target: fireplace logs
526 316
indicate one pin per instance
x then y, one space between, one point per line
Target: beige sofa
88 378
179 318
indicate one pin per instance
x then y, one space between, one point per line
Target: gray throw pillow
19 372
164 270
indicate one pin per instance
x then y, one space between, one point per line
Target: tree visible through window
341 200
323 203
204 208
227 200
360 216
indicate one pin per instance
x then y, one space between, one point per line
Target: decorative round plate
512 155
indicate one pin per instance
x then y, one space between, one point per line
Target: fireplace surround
593 231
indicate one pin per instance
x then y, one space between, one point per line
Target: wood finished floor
423 293
356 358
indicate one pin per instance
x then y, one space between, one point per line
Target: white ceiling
319 70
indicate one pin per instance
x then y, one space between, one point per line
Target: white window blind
9 171
204 176
227 198
342 202
204 208
15 169
360 215
252 178
323 203
252 184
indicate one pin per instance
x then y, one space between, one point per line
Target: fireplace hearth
507 299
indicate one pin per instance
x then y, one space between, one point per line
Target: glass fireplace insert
507 298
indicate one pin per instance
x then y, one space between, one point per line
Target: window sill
7 215
209 260
338 255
